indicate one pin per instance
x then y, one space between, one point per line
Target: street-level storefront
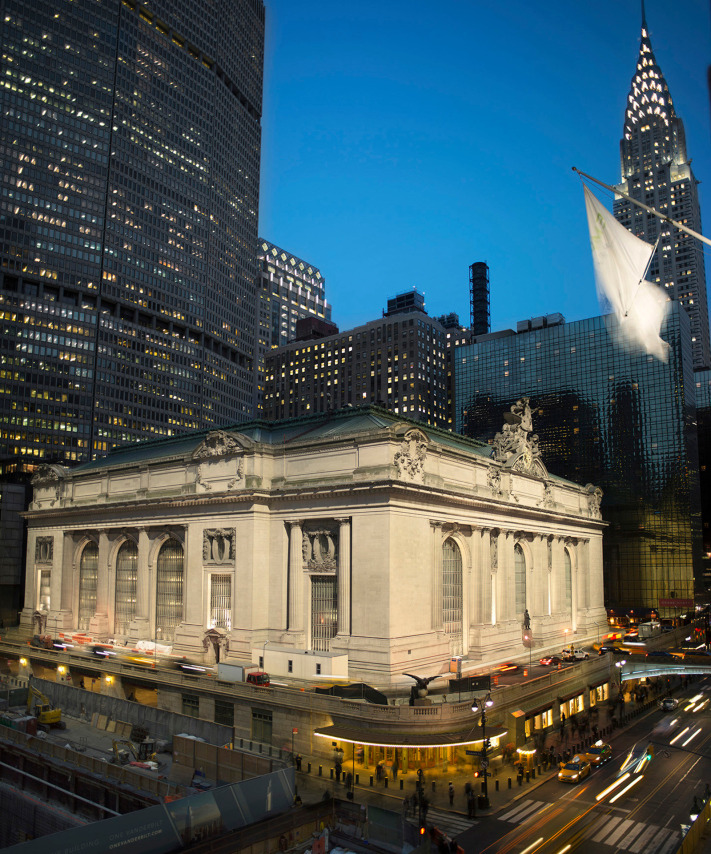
397 753
539 719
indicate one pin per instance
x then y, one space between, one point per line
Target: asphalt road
642 814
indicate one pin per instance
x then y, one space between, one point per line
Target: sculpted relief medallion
218 546
320 548
410 457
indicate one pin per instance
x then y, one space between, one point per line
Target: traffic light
423 829
650 752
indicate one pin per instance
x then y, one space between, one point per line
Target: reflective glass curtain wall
603 416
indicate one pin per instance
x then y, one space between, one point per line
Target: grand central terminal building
353 544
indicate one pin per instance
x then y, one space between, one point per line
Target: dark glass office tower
703 421
624 423
130 148
657 172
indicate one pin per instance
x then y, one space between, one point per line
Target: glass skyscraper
657 172
622 422
130 151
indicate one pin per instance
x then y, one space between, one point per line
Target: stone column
99 623
538 577
494 598
344 576
436 586
142 625
506 592
296 576
575 581
476 593
189 634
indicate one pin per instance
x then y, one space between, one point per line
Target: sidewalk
503 785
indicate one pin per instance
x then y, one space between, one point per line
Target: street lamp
480 706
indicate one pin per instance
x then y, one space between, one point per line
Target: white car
574 654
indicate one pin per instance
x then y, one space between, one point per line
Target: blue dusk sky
403 141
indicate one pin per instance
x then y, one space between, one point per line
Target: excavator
124 749
39 706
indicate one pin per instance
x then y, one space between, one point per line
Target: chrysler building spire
656 171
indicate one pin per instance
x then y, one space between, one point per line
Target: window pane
88 579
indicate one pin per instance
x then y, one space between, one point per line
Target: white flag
620 260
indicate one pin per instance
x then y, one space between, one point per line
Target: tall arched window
568 572
520 580
88 579
452 594
126 585
169 591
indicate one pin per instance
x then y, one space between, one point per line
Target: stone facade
353 533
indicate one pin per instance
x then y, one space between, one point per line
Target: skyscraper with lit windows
130 150
657 172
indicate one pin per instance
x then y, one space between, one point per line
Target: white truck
239 673
649 630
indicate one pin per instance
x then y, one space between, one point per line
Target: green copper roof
328 425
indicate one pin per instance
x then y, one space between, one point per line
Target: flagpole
661 216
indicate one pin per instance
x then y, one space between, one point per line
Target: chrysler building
657 172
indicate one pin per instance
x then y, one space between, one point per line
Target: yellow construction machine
124 749
39 706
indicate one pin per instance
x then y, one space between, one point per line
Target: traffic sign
484 763
473 753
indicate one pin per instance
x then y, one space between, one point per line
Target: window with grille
126 586
224 713
169 591
324 611
568 570
44 585
520 580
220 601
452 594
88 579
262 726
191 705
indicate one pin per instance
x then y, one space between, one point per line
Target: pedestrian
451 793
471 804
338 772
467 788
394 770
298 762
349 781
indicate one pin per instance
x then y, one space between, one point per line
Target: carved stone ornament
514 447
44 549
320 548
494 550
410 457
493 480
217 444
547 500
50 476
594 497
218 546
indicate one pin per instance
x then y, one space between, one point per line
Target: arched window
126 584
520 580
169 592
88 579
568 572
452 594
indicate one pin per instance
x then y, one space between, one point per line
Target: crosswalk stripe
451 823
670 844
642 840
621 829
634 832
519 813
609 825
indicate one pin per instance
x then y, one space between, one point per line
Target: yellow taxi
574 771
598 754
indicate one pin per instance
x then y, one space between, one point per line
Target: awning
570 696
598 684
389 738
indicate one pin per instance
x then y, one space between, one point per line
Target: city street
644 812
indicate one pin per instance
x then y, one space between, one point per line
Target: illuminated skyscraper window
130 143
